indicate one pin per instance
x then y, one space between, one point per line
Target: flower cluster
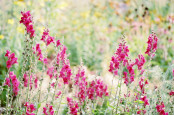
142 84
48 110
141 111
80 82
73 106
61 56
11 59
145 100
160 109
30 108
171 93
58 94
130 69
39 53
65 72
15 82
47 38
26 19
51 71
152 45
26 79
120 55
97 89
140 61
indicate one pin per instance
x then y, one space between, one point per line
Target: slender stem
119 96
111 86
60 100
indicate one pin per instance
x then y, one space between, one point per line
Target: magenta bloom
26 19
140 61
47 38
73 106
7 81
161 109
14 81
30 108
120 56
171 93
152 45
48 110
11 59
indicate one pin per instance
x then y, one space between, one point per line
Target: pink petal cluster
161 109
30 108
29 80
97 89
73 106
11 59
145 100
58 94
141 111
47 38
58 43
142 84
62 56
48 110
152 45
51 71
65 73
26 19
39 53
80 82
15 82
140 61
120 56
171 93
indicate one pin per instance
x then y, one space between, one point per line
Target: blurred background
91 29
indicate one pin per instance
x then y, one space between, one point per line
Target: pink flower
140 61
47 38
51 71
58 94
7 53
97 88
25 77
152 45
35 82
160 109
65 73
145 100
58 43
7 81
73 106
141 111
15 82
39 53
119 57
26 19
11 59
30 108
48 110
171 93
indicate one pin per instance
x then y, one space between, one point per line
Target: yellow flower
62 5
1 37
20 30
97 14
19 3
85 14
10 21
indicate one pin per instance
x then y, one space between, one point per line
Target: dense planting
69 89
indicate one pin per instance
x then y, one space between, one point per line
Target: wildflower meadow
87 57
